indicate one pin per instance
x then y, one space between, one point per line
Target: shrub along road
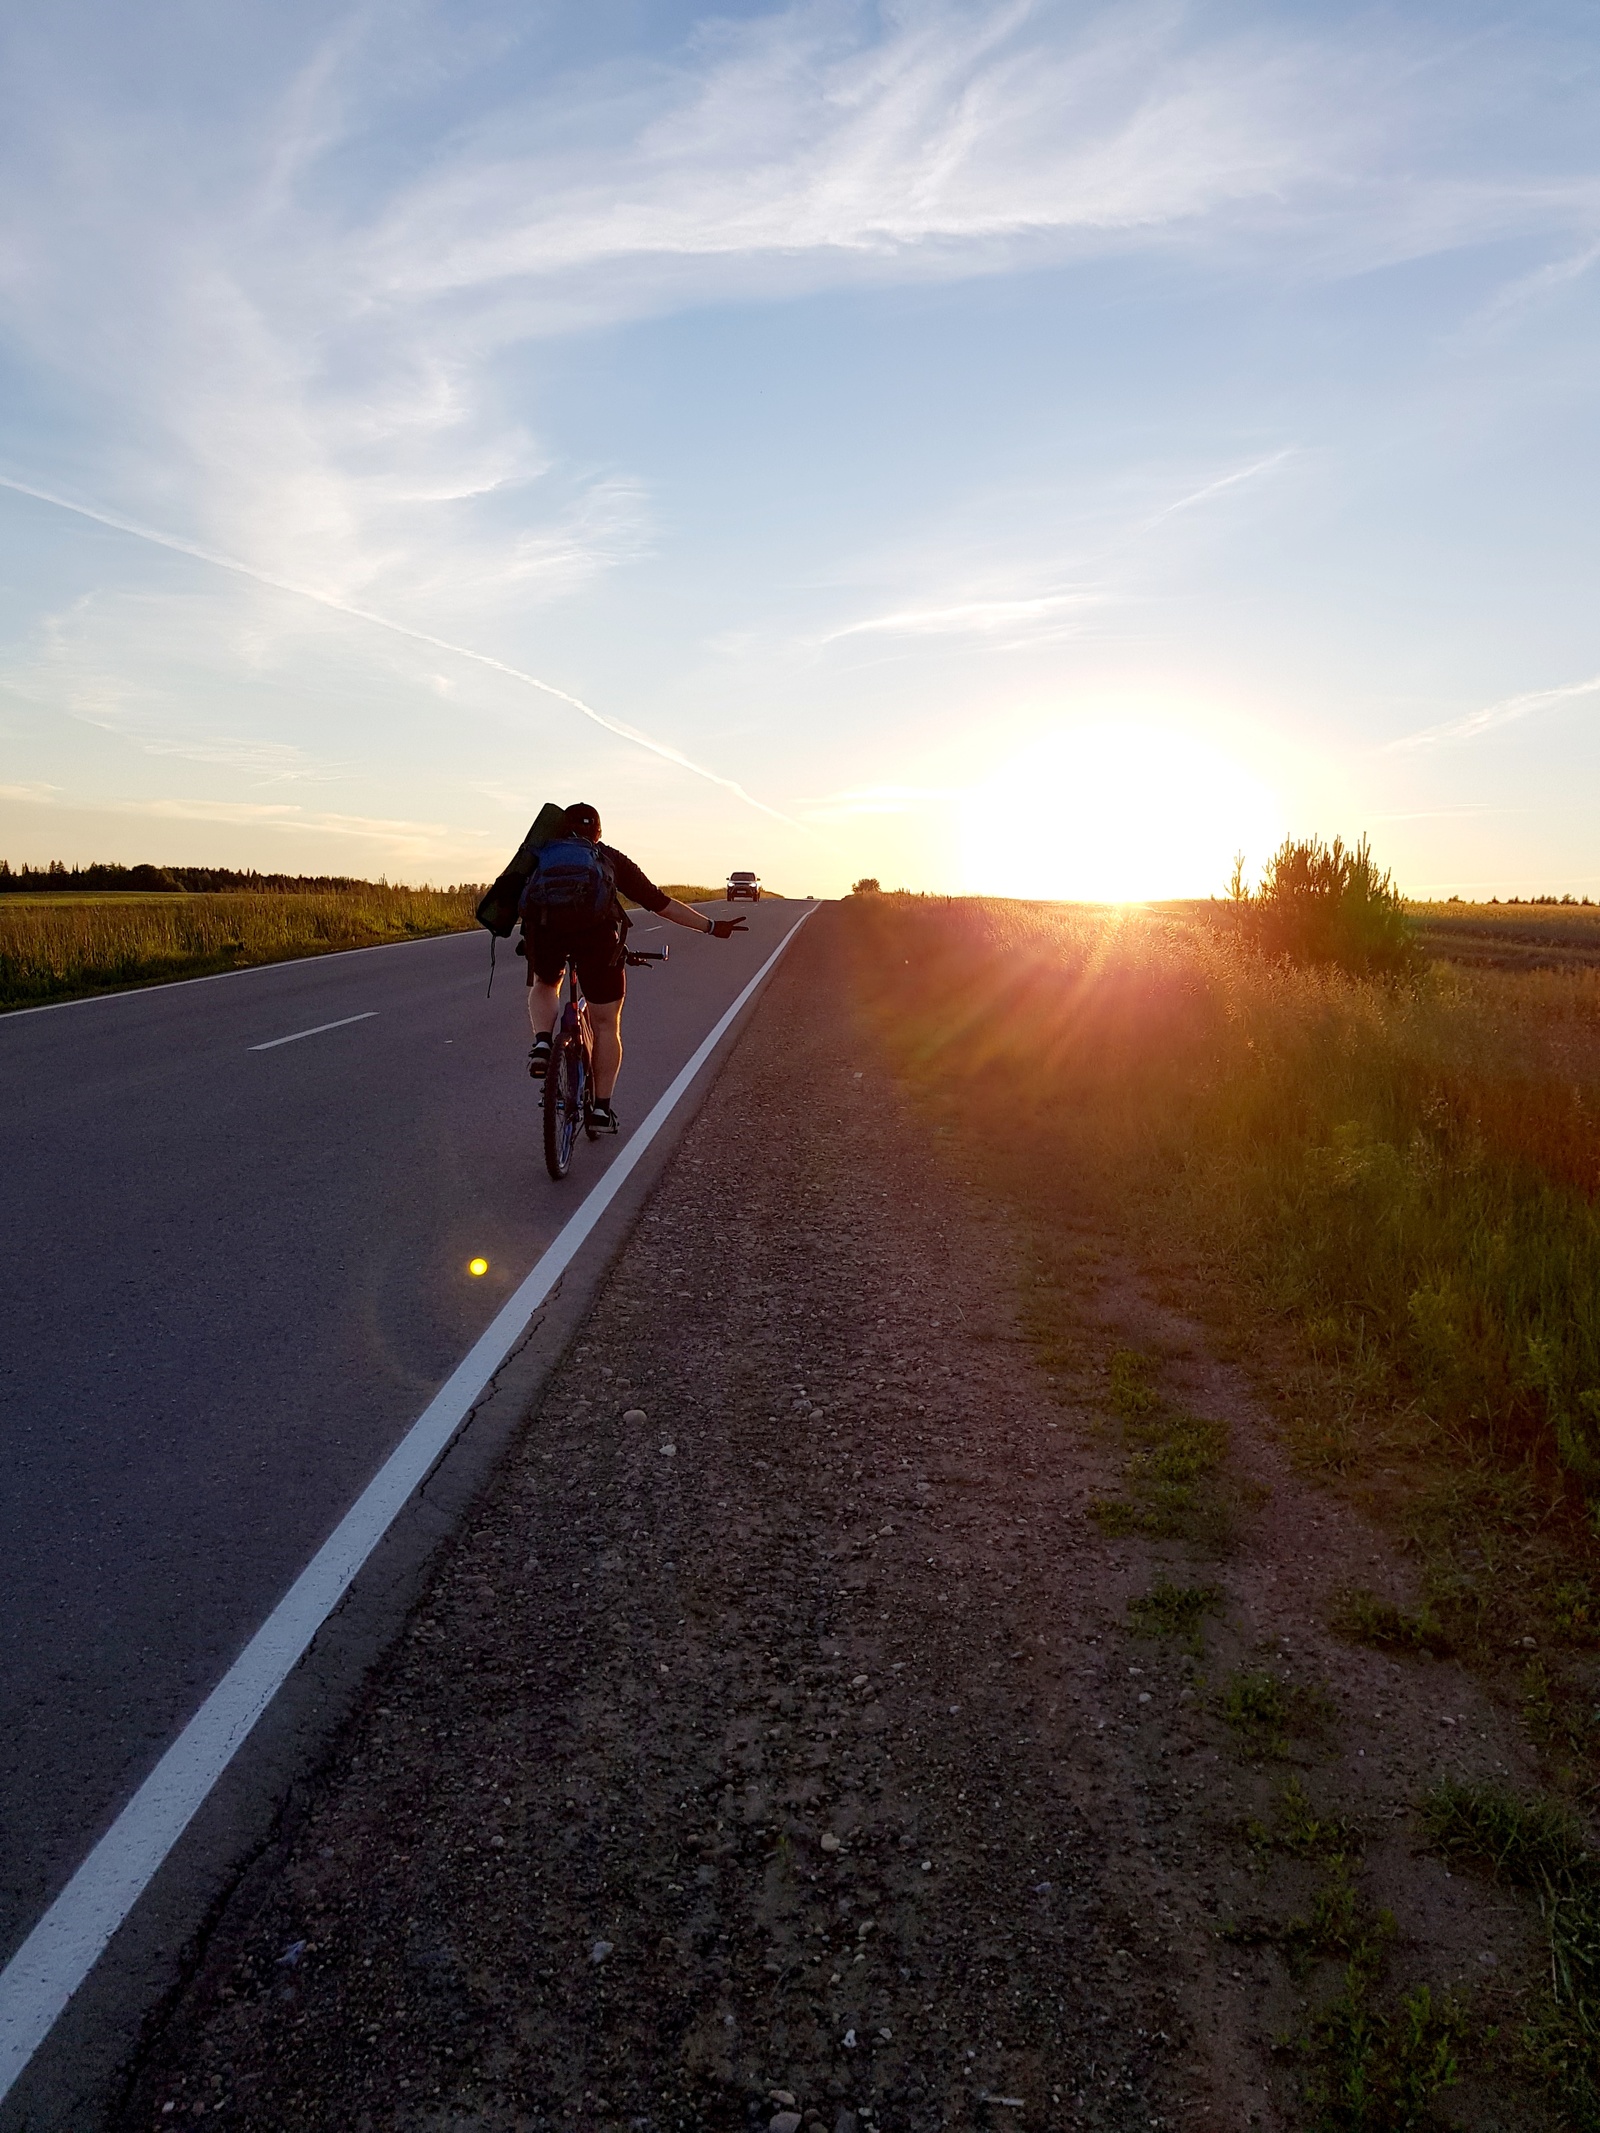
801 1732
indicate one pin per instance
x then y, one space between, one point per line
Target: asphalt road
232 1278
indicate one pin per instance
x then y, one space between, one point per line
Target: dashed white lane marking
343 1022
70 1938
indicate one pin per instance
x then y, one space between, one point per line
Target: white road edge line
344 1022
70 1938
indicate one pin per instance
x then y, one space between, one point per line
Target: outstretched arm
687 915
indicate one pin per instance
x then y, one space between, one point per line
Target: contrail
1215 488
624 732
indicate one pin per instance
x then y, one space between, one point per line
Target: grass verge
1386 1198
64 951
1391 1193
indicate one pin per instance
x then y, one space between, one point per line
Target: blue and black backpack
570 880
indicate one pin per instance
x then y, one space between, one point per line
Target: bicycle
569 1078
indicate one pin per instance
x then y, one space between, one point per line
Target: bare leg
544 1004
606 1021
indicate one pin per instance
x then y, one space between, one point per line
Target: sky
1041 449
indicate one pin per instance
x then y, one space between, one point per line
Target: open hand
722 927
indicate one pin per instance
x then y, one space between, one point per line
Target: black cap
584 820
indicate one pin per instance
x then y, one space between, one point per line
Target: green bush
1330 903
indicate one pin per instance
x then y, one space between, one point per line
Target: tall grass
1412 1173
60 951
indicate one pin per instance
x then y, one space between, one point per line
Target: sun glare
1116 814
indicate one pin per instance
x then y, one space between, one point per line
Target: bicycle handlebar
647 955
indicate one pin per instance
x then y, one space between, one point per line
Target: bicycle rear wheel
564 1091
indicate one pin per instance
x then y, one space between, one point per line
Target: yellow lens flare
477 1266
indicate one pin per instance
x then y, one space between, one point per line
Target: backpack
502 901
570 880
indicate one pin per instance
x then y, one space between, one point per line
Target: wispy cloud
1507 712
827 142
263 762
413 840
999 606
1527 290
416 841
802 136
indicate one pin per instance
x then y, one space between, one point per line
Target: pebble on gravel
635 1415
600 1950
784 2122
830 1842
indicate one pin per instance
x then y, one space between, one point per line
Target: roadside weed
1336 1926
1530 1843
1536 1845
1267 1714
1132 1395
1381 2069
1309 1835
1365 1619
1374 2068
1169 1610
1170 1491
1559 1714
1256 1705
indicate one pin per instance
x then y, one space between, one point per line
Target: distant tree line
174 881
1581 901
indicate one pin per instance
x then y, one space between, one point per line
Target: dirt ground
774 1747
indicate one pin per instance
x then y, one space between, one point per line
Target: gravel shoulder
774 1747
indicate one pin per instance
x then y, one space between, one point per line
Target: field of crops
62 947
1511 936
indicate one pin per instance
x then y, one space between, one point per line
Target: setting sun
1116 814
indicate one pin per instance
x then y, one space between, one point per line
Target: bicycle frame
574 1015
569 1075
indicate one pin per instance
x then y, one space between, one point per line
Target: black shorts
597 950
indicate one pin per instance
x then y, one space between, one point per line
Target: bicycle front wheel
564 1092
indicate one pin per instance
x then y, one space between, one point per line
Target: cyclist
597 946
